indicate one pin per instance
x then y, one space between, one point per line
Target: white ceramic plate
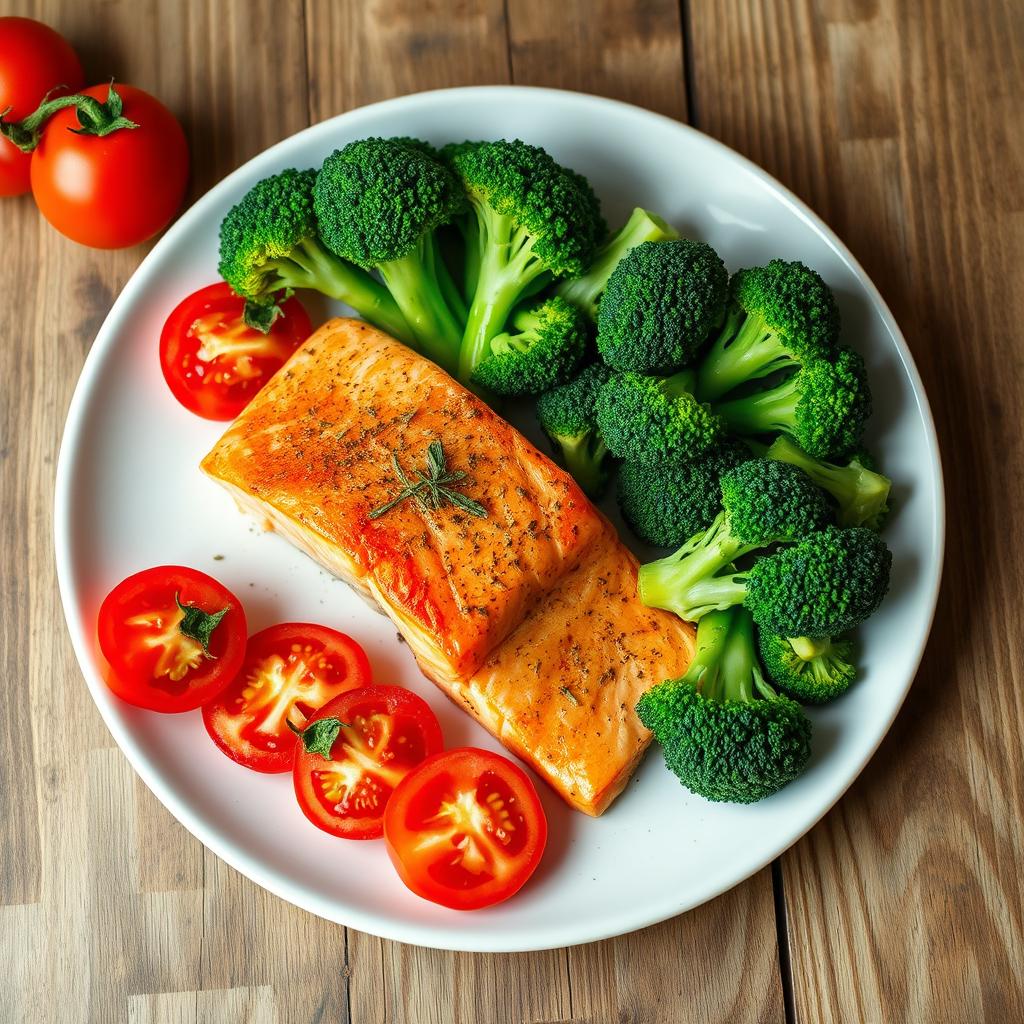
129 495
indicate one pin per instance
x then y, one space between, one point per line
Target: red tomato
213 362
33 61
116 190
465 829
290 671
151 629
385 731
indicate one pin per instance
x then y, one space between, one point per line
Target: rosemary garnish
569 696
432 488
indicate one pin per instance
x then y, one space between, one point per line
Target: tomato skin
214 312
237 734
34 59
511 844
117 190
132 665
404 717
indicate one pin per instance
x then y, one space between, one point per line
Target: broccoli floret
824 406
585 292
660 303
810 671
534 220
269 246
544 350
763 503
779 316
726 733
567 415
378 203
667 504
862 495
827 584
655 420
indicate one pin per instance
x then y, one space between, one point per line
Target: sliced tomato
213 362
173 638
355 751
290 671
465 829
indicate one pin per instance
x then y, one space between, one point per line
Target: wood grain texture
896 120
906 903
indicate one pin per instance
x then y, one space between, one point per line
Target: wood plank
95 923
635 53
630 52
892 119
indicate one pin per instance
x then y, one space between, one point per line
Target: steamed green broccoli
533 219
585 292
667 504
810 671
567 415
659 305
779 316
378 203
655 420
726 733
269 245
861 494
824 406
763 503
544 349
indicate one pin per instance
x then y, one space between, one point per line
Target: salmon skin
313 456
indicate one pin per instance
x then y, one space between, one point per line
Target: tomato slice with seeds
465 829
290 670
213 362
163 648
373 738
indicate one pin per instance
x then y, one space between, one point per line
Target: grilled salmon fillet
507 612
313 454
561 690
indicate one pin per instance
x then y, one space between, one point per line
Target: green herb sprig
431 488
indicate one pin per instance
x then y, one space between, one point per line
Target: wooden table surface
900 123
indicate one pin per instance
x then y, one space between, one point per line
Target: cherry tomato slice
465 829
213 363
386 732
290 670
152 662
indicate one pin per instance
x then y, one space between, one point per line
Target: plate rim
420 933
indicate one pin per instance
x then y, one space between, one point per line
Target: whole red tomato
115 190
33 61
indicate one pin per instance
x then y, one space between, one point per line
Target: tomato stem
95 118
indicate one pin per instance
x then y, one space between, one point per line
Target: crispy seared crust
504 613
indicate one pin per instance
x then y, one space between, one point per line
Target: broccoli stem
765 412
806 648
740 667
861 494
697 578
584 459
507 269
449 289
585 292
310 265
412 281
745 349
704 671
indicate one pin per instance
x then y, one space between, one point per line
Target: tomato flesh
151 663
213 362
290 670
386 732
465 829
